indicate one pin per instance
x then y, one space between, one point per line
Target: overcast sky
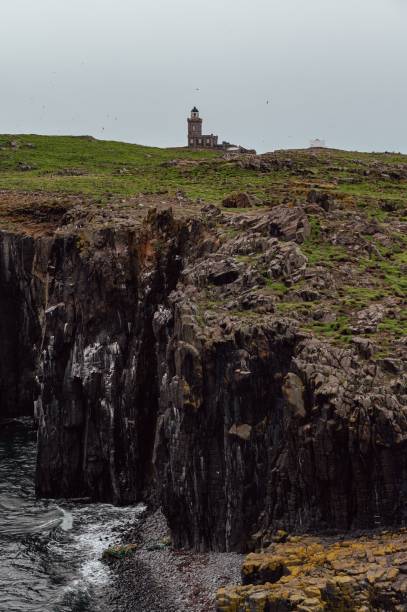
132 69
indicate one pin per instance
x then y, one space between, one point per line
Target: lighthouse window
193 128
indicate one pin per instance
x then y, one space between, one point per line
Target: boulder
289 223
285 260
323 199
241 200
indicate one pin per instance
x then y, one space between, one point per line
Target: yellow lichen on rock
314 575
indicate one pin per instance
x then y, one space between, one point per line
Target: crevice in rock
21 302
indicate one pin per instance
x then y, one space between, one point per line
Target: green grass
360 297
375 190
277 287
323 252
319 251
249 259
389 271
149 169
337 330
397 327
102 163
292 307
113 553
119 168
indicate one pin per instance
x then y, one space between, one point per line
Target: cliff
244 366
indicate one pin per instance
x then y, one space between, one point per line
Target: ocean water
50 550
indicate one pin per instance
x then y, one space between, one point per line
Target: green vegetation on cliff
355 205
84 165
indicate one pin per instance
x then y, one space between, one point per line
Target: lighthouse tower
195 137
194 128
197 140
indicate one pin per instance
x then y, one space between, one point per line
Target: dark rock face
325 200
343 465
261 429
22 293
99 394
217 401
87 336
240 425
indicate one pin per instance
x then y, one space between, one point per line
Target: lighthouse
196 139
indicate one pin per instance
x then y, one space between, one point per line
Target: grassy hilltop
83 165
359 237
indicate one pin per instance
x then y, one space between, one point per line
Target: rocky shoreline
364 571
158 578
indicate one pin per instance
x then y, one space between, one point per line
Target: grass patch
276 287
304 308
115 553
396 327
324 253
336 330
389 271
319 251
359 297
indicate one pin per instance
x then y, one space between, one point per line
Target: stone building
197 140
195 137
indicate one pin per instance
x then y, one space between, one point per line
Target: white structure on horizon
316 143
